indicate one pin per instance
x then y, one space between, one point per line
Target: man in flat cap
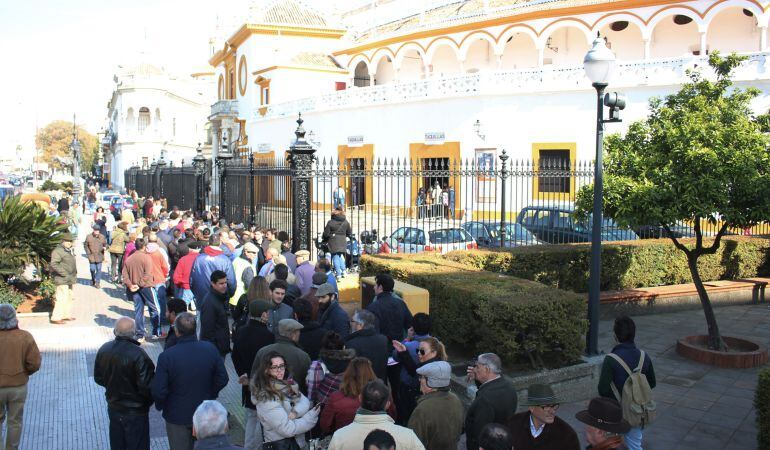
438 418
64 274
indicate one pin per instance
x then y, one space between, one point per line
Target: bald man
126 372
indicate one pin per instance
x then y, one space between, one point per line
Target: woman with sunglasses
430 349
284 413
341 406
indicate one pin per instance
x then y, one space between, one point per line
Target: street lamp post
599 64
75 147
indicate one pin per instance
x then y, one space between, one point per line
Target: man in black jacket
246 343
213 316
174 307
367 342
126 372
495 399
312 333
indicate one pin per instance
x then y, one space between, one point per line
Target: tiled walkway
700 407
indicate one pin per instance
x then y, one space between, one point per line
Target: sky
59 57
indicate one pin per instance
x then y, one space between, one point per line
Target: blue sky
59 57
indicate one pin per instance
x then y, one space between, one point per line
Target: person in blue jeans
95 245
336 234
137 276
612 372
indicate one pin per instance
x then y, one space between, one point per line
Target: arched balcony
733 29
478 53
518 49
384 72
674 35
410 61
443 58
624 37
565 43
361 76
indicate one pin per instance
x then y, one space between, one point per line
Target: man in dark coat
332 316
174 307
495 400
286 344
187 374
539 427
126 372
248 340
367 342
211 258
310 336
336 234
213 314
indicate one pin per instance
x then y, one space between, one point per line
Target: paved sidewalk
700 407
65 408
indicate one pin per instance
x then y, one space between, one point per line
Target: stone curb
32 314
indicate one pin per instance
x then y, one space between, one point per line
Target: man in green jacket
64 274
438 418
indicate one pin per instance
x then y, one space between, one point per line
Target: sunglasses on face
422 351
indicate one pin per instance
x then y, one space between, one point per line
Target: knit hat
258 307
437 374
319 279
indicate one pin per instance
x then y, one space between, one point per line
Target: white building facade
462 80
151 112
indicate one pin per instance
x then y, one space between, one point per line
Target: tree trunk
715 341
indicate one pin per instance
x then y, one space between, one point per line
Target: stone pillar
499 61
763 39
301 157
540 56
703 46
371 79
647 49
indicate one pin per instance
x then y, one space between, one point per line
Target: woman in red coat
340 408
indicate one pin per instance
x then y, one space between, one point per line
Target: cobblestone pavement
700 407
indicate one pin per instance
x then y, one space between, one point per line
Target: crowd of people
312 375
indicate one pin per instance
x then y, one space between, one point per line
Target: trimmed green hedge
627 265
482 311
762 404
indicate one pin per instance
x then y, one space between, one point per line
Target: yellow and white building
464 79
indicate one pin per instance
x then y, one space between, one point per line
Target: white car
441 240
103 199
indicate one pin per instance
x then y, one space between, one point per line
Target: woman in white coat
285 414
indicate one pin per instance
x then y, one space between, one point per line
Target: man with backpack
628 376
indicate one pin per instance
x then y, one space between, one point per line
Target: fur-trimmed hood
337 360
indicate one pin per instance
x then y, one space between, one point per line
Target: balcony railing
660 72
224 108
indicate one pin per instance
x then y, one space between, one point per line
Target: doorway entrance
357 181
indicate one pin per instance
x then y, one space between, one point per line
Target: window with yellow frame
554 178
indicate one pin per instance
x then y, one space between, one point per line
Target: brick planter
744 354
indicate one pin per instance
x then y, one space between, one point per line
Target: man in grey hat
333 317
304 271
286 343
19 359
438 418
64 274
539 427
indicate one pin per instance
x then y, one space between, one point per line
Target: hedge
762 405
627 265
481 311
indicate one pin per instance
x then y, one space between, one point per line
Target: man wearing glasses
495 399
540 427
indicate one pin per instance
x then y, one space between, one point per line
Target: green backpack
639 408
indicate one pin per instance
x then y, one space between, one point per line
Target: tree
700 155
55 139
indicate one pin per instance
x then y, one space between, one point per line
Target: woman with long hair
284 413
341 406
258 290
325 374
430 349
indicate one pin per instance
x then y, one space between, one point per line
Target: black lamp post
599 64
75 147
225 154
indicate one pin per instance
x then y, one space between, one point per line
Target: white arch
471 38
403 51
630 18
438 43
354 63
677 11
503 39
713 12
378 55
546 32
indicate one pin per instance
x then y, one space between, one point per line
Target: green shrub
481 311
625 265
47 289
8 294
49 185
762 405
27 235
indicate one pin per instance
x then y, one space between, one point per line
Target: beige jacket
352 436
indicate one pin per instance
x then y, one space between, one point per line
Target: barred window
144 119
554 171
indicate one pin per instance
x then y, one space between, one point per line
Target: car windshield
513 231
449 236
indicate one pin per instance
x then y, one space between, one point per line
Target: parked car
105 198
658 232
442 240
557 225
121 202
487 234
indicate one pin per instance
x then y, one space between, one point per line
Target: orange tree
699 156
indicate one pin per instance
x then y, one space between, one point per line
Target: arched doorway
361 76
